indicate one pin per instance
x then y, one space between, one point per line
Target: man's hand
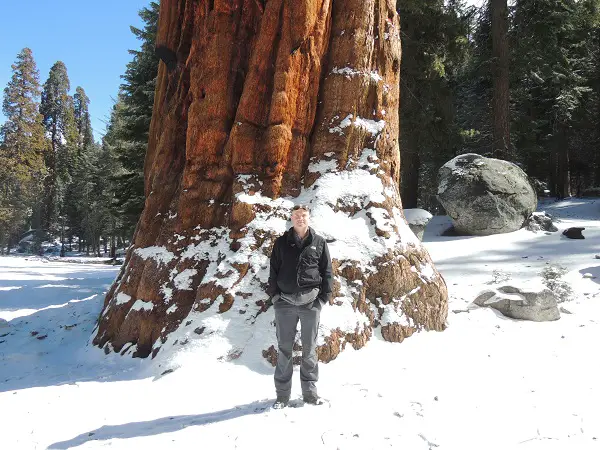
273 298
318 303
324 298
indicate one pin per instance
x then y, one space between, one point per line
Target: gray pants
286 320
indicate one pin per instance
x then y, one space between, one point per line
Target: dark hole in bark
166 55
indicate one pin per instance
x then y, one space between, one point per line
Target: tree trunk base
399 290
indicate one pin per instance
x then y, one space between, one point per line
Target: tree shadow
163 425
448 234
49 321
572 209
52 348
27 294
524 261
46 340
45 284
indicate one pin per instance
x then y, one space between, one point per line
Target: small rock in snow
540 221
565 311
574 233
521 303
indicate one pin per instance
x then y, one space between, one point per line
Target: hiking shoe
312 399
281 402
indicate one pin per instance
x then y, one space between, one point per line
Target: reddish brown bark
254 104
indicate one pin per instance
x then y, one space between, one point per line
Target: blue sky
92 38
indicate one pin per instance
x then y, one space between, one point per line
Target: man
300 284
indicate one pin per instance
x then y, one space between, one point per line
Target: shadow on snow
48 344
162 425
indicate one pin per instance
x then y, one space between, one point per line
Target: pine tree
501 99
434 46
82 119
111 222
585 144
593 41
57 109
78 194
120 225
127 133
549 62
91 199
22 147
474 90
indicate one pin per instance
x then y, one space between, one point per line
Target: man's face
300 218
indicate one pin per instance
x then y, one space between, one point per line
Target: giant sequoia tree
260 104
56 108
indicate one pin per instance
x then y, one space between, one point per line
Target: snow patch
122 298
417 216
349 72
141 305
343 124
392 315
159 254
323 166
183 281
373 127
427 271
167 293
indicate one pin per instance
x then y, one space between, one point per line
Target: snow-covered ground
487 382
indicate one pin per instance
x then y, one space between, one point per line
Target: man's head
300 218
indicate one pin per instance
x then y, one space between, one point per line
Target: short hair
301 206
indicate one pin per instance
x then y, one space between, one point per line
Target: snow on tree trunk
264 105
